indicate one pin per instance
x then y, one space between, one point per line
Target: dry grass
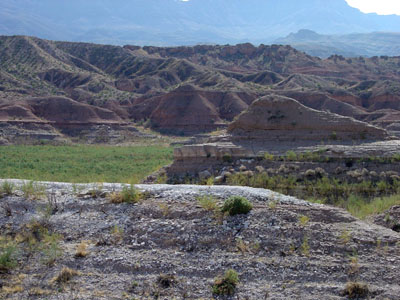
12 289
207 202
65 275
81 250
36 291
356 290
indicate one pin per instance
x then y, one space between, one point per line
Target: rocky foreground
168 246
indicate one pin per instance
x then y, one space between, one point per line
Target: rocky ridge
284 248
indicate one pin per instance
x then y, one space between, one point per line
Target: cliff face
280 118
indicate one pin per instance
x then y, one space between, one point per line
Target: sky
382 7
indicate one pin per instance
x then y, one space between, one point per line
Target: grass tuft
65 275
226 285
207 202
7 188
8 253
356 290
127 195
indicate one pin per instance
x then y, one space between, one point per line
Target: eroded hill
181 90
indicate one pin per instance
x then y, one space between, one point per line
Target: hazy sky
382 7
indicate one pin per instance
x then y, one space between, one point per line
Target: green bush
226 285
291 156
236 205
7 257
268 156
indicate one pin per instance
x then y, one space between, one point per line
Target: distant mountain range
176 22
349 45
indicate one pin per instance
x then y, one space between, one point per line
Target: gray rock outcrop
280 118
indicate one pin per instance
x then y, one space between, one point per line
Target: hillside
180 90
175 22
170 246
348 45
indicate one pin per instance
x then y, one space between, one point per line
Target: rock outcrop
168 247
280 118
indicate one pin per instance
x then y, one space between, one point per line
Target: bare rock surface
285 248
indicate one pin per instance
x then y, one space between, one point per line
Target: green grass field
82 163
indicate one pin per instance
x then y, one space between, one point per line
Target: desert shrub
209 181
303 220
65 275
127 195
226 285
208 202
239 179
305 247
7 188
396 157
50 248
268 156
39 238
166 281
81 250
8 256
236 205
356 290
227 158
333 136
345 237
361 209
291 155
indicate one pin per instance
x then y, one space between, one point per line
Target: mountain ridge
172 23
348 45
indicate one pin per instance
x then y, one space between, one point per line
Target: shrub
268 156
65 275
305 247
227 158
7 257
226 285
291 155
236 205
7 188
81 250
356 290
166 281
333 136
303 220
127 195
